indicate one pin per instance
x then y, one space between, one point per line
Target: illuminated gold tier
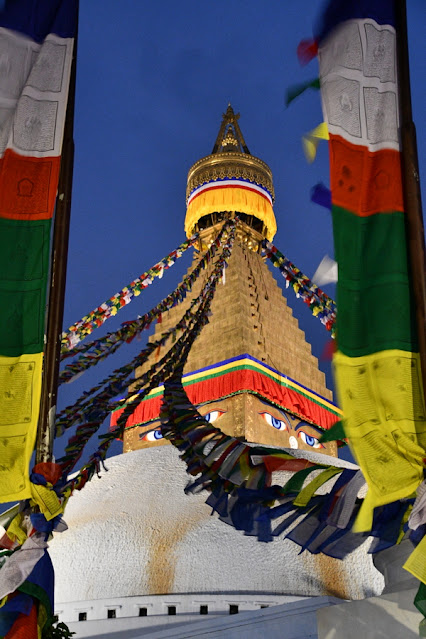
230 180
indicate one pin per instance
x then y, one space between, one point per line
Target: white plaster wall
135 532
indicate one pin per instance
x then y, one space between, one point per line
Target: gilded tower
251 370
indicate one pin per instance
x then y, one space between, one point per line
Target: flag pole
411 183
52 353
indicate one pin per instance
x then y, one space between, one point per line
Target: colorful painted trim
238 375
230 182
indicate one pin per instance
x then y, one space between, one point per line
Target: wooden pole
411 183
52 354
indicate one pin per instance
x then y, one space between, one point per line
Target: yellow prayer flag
384 420
311 140
305 495
20 377
416 562
47 500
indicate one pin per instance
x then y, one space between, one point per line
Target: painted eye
151 435
214 415
309 440
279 424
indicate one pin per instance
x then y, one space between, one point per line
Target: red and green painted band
243 378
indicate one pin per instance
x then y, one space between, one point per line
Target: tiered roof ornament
230 181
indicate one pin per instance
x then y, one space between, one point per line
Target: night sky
153 80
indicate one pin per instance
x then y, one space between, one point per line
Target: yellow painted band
230 198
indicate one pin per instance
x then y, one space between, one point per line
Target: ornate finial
230 137
229 181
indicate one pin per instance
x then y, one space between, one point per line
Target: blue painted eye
214 415
309 440
279 424
151 435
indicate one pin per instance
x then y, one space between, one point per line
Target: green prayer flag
295 483
294 91
24 267
335 433
420 600
374 287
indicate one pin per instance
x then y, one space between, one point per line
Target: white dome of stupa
134 531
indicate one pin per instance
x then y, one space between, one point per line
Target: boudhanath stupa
142 558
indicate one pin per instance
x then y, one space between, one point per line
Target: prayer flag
36 49
377 365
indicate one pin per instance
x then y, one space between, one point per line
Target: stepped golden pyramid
250 315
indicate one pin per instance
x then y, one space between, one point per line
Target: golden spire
230 180
230 134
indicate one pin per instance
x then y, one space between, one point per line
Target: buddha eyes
151 435
279 424
155 434
214 415
309 440
284 425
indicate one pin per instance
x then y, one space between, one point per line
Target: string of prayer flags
377 365
28 612
92 353
118 380
26 572
201 316
94 405
36 49
320 304
144 384
110 307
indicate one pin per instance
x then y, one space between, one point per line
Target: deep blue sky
153 81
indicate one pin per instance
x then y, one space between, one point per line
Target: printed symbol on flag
381 180
35 123
346 102
47 73
346 175
25 188
380 53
